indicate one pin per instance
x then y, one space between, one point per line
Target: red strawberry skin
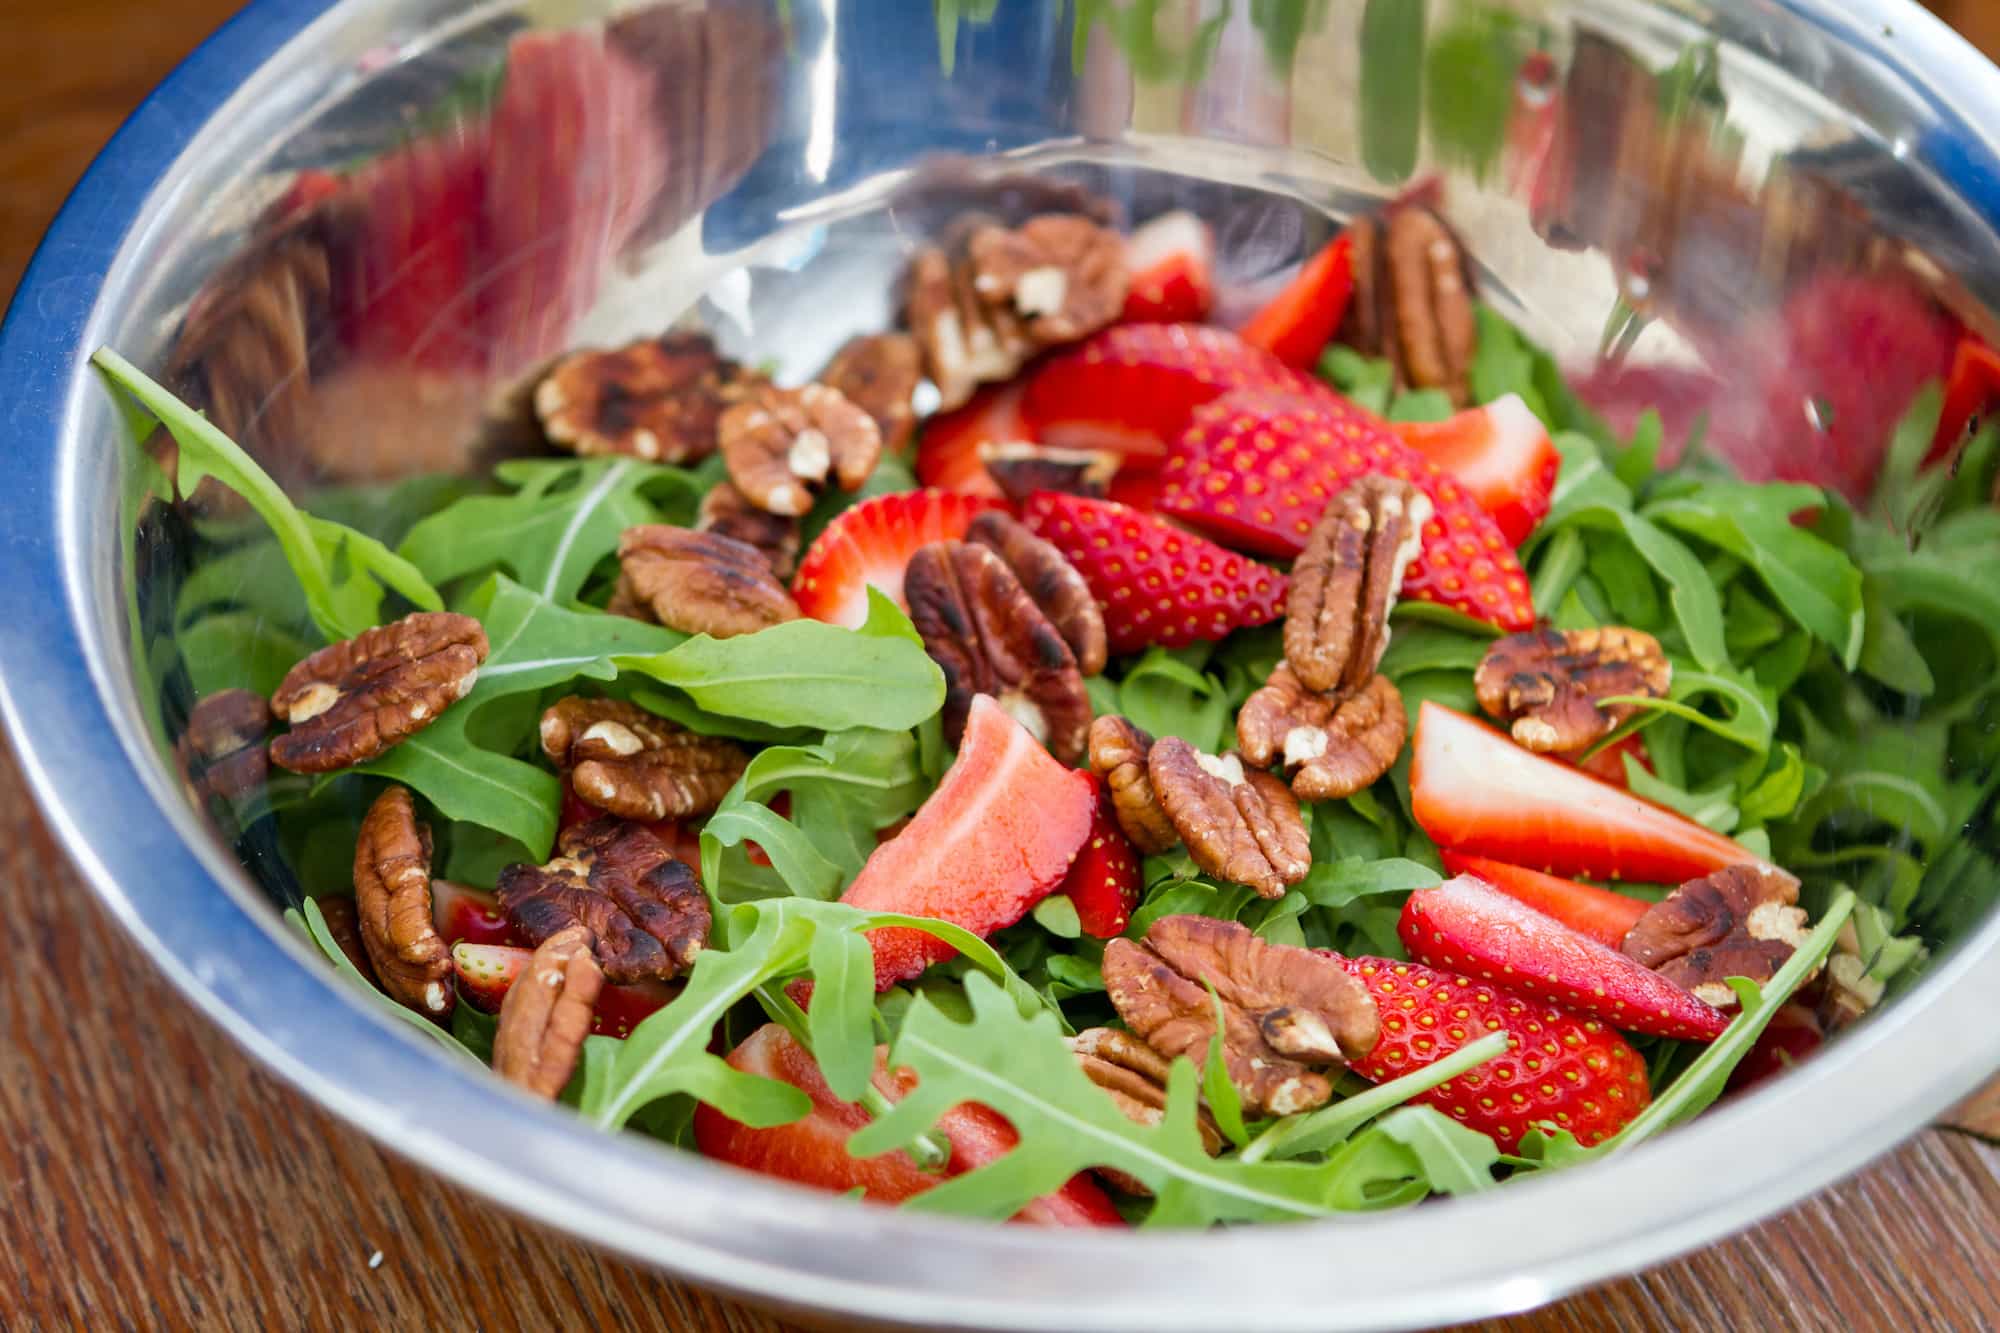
813 1151
1559 1066
486 972
871 545
1156 583
1465 925
1474 790
997 836
1104 882
1133 388
1602 914
1255 470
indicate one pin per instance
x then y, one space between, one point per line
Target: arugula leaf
237 648
1224 1105
1454 1159
807 673
1166 696
1335 884
313 922
563 517
1503 363
534 644
1704 1080
1814 581
1369 382
344 574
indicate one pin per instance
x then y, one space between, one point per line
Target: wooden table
153 1177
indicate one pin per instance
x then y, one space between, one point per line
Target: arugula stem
1703 1080
1329 1125
929 1150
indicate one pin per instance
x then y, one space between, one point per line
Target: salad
1180 774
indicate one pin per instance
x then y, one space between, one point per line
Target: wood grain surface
152 1177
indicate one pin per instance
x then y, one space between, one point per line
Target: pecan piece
1331 745
702 582
646 915
623 759
1847 991
351 701
1548 682
1053 583
1240 824
1062 274
965 343
1118 753
1020 469
547 1014
781 445
392 899
878 373
725 511
343 922
1344 583
1135 1077
1414 300
659 399
988 636
221 751
1292 1018
1739 921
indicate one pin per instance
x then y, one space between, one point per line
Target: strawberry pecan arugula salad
1182 774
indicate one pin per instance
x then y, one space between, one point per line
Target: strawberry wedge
1467 926
1605 916
486 972
1501 453
1104 883
871 544
1301 320
1474 790
813 1151
996 837
1172 263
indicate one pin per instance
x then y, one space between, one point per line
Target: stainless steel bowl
784 159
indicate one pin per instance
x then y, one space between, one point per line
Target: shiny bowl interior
744 162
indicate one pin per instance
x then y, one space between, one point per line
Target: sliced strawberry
1172 263
948 450
1256 469
471 915
813 1151
1559 1066
996 837
1132 388
1474 790
1603 915
1969 394
1301 320
871 544
1608 764
1467 926
1501 453
1156 583
487 971
1104 882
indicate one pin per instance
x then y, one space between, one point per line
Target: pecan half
1135 1076
1413 300
392 900
1737 922
623 759
1118 754
1331 745
646 914
659 399
547 1014
702 582
966 343
1344 583
725 511
879 373
782 445
1062 274
1052 581
1292 1018
351 701
1020 469
1548 682
988 636
1240 824
222 748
